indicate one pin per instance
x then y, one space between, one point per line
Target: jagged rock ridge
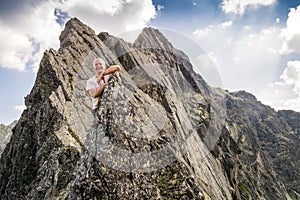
154 135
5 133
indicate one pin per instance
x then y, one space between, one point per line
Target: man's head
99 66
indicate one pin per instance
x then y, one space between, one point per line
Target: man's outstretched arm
112 69
108 71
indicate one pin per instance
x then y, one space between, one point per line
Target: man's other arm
97 92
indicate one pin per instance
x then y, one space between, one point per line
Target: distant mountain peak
153 38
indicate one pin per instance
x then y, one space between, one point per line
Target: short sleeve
90 84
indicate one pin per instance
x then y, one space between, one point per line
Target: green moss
64 194
202 181
244 190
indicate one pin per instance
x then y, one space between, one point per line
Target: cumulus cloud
213 28
20 108
259 51
250 58
291 33
29 29
160 8
285 93
24 37
115 16
15 48
240 6
242 52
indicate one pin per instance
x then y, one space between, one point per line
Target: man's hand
101 77
110 70
117 67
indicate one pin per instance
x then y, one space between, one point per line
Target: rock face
159 132
5 134
260 131
286 154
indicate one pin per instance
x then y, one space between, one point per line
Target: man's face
99 66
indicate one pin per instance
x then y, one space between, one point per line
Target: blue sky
254 45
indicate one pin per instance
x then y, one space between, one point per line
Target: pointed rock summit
159 132
153 38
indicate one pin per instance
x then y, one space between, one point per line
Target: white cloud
240 6
291 33
225 24
236 59
247 27
291 75
263 44
219 28
249 59
242 53
27 34
20 108
284 94
15 48
115 16
160 7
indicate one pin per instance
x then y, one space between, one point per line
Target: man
96 84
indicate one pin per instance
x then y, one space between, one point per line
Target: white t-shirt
91 83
